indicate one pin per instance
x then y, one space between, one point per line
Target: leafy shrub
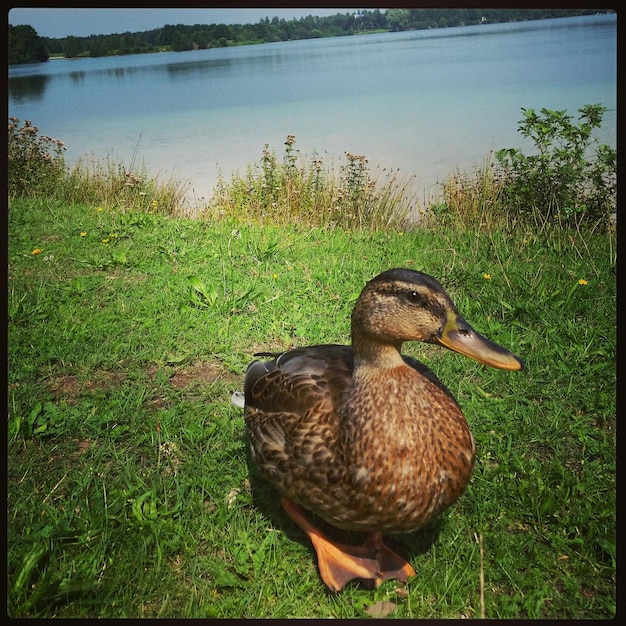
35 164
563 179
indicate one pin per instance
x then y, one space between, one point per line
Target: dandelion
105 242
274 276
487 276
155 204
37 251
578 283
99 209
83 234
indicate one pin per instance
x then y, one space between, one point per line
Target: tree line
26 46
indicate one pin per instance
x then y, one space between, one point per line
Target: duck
362 436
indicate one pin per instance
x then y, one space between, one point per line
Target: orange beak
459 336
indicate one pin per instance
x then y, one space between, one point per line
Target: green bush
564 179
35 164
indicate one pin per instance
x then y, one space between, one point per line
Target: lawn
129 488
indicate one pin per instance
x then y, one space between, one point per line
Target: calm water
425 102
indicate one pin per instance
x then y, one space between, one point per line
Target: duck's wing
296 380
291 404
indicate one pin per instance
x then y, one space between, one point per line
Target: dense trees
25 46
72 47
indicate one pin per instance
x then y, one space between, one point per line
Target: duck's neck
371 353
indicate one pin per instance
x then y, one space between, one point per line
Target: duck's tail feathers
238 399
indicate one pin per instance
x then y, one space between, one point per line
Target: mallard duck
362 436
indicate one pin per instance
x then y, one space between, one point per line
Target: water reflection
263 61
77 77
24 89
32 87
119 72
196 67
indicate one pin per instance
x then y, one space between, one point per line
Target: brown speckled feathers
326 445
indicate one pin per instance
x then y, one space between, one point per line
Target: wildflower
83 234
105 242
274 276
487 276
155 204
99 208
37 251
574 287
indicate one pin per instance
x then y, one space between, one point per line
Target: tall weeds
473 200
35 162
299 190
112 184
36 167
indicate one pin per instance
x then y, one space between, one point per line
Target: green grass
129 490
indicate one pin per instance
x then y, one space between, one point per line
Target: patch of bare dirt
202 373
69 386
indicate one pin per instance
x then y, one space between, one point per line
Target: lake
424 102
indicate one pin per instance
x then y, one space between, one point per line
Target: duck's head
404 305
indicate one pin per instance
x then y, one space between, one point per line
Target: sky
61 22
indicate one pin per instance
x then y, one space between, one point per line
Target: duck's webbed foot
340 563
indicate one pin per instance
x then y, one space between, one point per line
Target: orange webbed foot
340 563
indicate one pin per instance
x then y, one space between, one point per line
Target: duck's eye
413 297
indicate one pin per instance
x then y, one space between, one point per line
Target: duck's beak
459 336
